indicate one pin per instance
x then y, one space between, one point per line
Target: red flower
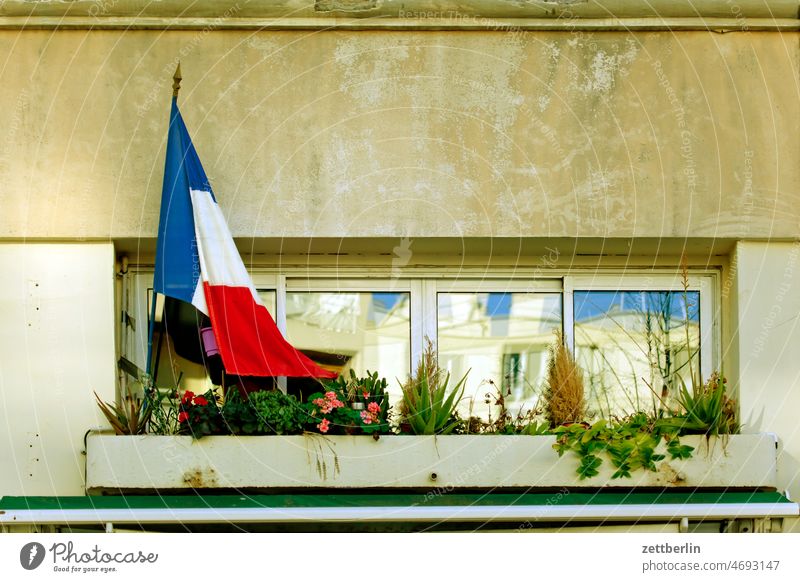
200 400
183 416
187 397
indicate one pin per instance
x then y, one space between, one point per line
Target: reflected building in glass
502 340
636 347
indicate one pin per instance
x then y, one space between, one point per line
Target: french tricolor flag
197 262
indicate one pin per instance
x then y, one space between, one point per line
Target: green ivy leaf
589 466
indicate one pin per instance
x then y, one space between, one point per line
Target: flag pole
176 81
176 87
150 331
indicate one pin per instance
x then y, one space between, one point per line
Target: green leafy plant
127 417
630 444
238 416
534 428
163 405
277 413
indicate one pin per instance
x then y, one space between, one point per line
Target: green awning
406 507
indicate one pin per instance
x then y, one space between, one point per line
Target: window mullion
430 314
280 318
418 316
709 357
568 313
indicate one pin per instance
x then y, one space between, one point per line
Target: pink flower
324 406
370 415
324 425
329 403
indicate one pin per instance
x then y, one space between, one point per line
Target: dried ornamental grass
564 393
427 372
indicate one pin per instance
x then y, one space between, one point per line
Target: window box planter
164 463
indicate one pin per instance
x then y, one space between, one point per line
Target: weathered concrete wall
310 133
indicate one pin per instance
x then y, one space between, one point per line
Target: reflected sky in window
593 304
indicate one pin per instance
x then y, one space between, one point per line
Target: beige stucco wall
343 134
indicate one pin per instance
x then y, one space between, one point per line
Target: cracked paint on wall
409 133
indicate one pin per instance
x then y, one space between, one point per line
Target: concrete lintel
456 23
411 9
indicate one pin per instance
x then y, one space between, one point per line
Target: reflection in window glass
501 338
179 355
353 330
268 297
636 346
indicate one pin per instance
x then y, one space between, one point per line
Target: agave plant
706 409
428 407
127 417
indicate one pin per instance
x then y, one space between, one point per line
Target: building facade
479 173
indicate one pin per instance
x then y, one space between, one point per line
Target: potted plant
429 405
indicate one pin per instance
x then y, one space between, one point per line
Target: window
269 297
636 347
501 339
345 330
638 338
635 336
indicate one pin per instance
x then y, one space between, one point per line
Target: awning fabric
406 507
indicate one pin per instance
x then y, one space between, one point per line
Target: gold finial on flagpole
176 80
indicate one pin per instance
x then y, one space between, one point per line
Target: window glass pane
268 297
179 354
634 345
353 330
502 338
